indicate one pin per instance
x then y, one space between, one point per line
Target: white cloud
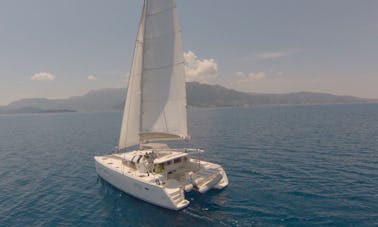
201 70
244 77
92 77
277 54
42 76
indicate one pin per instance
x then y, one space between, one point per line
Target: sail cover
156 99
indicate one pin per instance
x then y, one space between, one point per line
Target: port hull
154 194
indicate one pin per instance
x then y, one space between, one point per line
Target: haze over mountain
199 95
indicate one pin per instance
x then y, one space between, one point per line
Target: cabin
167 163
170 164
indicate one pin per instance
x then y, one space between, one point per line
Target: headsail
130 127
156 99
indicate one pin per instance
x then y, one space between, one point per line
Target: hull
163 179
154 194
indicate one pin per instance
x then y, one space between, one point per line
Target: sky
59 49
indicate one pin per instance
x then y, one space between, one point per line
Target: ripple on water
300 165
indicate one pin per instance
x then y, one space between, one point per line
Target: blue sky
58 49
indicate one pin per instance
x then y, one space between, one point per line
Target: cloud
92 77
277 54
201 70
244 77
42 76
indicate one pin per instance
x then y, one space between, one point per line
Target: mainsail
156 98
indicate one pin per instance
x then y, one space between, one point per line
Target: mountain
97 100
200 95
214 95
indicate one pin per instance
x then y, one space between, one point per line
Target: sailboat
155 112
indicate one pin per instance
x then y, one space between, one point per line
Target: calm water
303 165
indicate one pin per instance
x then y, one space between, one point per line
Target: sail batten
156 100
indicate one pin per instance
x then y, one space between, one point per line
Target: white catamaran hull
166 188
154 194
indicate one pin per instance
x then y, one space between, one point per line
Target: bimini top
160 157
134 156
170 156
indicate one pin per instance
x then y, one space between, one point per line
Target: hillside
215 95
200 95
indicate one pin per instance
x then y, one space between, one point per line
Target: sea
287 166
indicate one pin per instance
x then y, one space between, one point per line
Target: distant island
30 109
199 95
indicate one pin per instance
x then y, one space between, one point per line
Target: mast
144 14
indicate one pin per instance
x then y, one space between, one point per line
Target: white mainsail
156 99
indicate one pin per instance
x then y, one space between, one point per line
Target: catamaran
155 112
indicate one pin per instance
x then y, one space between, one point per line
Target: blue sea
287 166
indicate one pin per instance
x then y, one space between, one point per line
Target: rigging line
145 8
165 121
165 66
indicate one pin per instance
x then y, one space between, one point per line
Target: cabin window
169 162
177 160
159 168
